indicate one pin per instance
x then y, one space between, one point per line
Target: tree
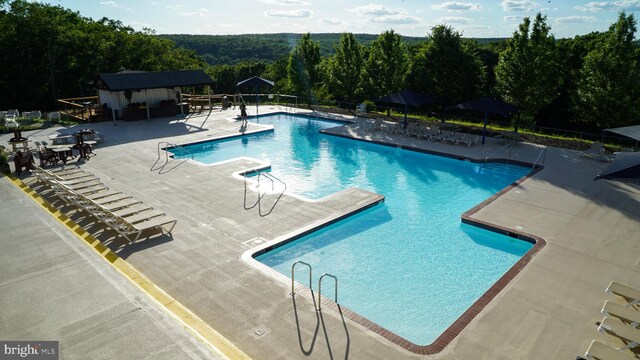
386 66
344 69
609 87
302 70
527 72
50 52
447 67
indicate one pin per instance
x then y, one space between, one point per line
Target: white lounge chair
597 152
631 295
430 132
628 335
443 135
600 351
625 314
467 139
409 129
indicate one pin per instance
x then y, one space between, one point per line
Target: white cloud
452 6
398 19
376 10
513 18
576 19
594 6
175 7
199 12
519 5
285 2
455 20
109 3
289 13
331 22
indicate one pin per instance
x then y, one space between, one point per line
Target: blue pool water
410 265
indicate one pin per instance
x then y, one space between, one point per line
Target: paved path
53 287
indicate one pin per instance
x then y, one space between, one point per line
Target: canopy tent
488 106
407 98
255 82
626 165
632 132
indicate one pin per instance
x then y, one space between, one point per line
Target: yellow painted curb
191 321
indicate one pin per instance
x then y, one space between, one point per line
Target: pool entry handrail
497 151
543 152
166 145
261 173
293 267
335 295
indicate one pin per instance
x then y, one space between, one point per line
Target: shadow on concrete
309 350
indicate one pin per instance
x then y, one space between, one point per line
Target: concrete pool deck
547 311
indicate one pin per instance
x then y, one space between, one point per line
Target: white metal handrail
497 151
293 275
335 295
543 152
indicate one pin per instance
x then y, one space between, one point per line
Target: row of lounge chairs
421 130
124 214
621 321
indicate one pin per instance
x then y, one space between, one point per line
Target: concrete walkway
54 288
547 311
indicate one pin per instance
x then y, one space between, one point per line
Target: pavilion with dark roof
135 95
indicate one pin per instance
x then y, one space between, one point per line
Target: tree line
588 82
49 52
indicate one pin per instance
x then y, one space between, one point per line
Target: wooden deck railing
80 108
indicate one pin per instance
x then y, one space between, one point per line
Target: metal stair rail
293 267
335 295
269 177
497 151
166 153
543 152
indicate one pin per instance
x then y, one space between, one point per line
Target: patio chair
418 130
409 129
600 351
453 138
625 314
442 135
631 295
628 335
47 156
374 126
597 152
394 128
430 132
467 139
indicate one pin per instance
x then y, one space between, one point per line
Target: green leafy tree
303 68
50 52
527 72
386 66
277 71
609 87
344 69
447 67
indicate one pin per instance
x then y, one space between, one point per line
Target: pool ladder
335 279
165 145
268 176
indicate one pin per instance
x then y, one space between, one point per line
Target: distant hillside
232 49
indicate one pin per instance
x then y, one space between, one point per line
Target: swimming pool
410 265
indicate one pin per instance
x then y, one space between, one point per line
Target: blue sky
481 18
